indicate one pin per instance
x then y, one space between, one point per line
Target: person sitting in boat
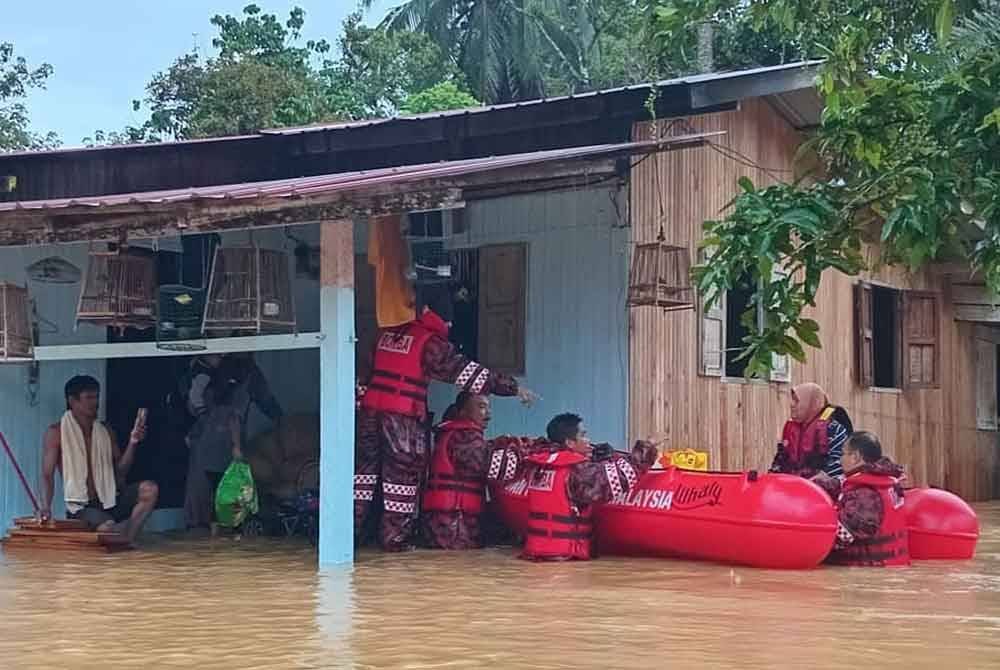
812 440
87 454
462 464
567 481
869 496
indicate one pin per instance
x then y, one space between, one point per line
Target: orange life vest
556 528
890 546
807 446
447 491
398 383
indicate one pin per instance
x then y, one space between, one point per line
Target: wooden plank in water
50 543
52 524
74 536
62 543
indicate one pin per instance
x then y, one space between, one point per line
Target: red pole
20 474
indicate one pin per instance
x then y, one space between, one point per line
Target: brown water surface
198 603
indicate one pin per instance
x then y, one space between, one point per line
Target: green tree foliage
522 49
16 79
749 33
909 149
440 97
260 77
263 76
377 71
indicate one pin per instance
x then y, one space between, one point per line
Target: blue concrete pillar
336 521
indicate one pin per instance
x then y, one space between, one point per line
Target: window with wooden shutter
986 385
864 334
712 340
503 283
921 346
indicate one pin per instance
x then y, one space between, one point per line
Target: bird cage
16 340
180 311
119 290
249 291
660 276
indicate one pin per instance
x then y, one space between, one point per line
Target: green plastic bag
236 497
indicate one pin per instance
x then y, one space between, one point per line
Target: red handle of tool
20 474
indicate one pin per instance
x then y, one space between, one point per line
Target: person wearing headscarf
813 438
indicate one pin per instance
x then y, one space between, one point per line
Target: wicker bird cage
181 309
120 290
250 292
660 276
16 341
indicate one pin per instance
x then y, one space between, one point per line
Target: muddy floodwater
200 603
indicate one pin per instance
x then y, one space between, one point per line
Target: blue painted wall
577 321
294 375
24 413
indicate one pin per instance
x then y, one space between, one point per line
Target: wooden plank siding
931 431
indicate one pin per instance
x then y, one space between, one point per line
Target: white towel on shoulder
74 464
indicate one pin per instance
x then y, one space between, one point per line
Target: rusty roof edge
309 188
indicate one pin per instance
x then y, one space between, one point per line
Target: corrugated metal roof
305 187
364 123
127 147
663 83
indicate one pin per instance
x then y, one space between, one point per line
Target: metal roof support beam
733 89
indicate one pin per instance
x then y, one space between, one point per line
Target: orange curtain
387 253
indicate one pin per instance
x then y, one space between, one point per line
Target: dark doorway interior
155 383
152 383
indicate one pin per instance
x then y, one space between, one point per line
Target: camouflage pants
452 530
392 451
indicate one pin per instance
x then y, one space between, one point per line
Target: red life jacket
446 491
398 383
890 546
556 528
807 446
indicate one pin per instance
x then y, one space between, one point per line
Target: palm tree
980 30
507 49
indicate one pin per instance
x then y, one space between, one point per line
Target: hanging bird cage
119 290
249 292
16 340
660 276
180 311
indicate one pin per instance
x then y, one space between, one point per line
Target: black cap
436 297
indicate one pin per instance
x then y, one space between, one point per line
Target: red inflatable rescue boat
764 521
741 518
940 525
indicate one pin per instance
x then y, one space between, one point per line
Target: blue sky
105 51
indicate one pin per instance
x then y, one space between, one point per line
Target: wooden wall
932 432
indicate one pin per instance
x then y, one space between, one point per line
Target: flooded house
532 215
